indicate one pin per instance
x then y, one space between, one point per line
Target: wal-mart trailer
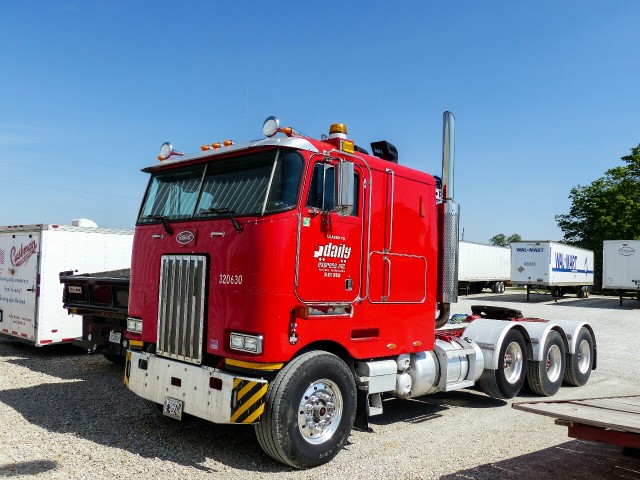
561 268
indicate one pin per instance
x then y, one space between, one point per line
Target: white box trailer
483 266
561 268
621 266
31 259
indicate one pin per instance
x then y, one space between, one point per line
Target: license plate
115 337
173 408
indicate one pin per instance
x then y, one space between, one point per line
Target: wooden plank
622 421
609 404
632 399
635 401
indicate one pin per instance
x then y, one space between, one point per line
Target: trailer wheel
310 409
579 364
545 377
506 381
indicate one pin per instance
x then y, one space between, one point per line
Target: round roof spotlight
166 150
271 126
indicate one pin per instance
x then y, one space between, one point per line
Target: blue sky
546 95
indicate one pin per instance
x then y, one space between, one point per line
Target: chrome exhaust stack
448 222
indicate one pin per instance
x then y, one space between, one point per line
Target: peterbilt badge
185 237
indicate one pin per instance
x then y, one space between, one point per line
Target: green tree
607 209
501 240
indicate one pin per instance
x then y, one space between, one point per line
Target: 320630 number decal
224 279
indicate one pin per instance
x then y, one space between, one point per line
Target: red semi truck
292 283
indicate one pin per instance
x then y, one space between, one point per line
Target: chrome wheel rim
584 356
320 411
513 362
554 363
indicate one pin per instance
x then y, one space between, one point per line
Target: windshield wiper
224 211
164 221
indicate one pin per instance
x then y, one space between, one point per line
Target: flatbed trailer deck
611 420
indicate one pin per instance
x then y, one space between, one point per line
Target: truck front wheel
506 381
310 408
545 377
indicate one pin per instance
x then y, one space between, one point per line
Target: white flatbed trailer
611 420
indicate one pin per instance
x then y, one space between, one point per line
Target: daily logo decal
332 259
332 251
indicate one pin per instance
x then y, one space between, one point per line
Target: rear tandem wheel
580 363
545 377
507 380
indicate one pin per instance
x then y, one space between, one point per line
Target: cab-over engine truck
291 282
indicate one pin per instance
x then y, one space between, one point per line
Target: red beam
595 434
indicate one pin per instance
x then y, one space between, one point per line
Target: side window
321 190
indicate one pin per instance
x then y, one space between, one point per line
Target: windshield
249 185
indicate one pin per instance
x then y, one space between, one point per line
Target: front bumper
225 399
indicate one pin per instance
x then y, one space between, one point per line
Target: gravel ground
67 415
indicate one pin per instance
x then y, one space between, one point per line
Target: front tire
545 377
579 364
310 409
507 380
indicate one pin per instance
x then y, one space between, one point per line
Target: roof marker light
227 143
347 146
204 148
216 145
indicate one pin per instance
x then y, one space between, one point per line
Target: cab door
330 241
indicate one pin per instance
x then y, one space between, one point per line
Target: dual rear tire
579 364
545 377
507 380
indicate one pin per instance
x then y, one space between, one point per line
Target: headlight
246 343
134 325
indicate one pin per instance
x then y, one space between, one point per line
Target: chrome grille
181 307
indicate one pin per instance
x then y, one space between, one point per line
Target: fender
489 334
538 333
572 328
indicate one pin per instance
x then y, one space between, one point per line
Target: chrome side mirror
345 184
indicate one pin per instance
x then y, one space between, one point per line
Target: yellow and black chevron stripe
127 369
247 400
